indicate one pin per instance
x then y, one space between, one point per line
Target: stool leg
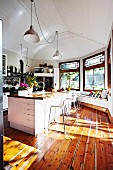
79 104
73 104
63 120
49 118
55 114
67 108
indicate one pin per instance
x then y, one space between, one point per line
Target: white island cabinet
31 114
26 115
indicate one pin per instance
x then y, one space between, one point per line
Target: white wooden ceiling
84 26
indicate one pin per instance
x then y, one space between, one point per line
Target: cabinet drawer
29 117
28 106
29 123
28 111
29 102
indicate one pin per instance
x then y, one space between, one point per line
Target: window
70 75
94 72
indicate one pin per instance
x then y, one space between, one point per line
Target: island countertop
40 95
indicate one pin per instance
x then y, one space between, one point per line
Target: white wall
35 63
13 60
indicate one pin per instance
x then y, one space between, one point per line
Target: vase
30 90
50 70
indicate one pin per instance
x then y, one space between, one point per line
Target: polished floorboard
87 144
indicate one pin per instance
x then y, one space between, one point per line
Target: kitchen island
30 113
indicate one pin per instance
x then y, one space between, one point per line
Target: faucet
41 82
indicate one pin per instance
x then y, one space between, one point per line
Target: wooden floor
87 145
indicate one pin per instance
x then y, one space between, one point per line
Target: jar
50 70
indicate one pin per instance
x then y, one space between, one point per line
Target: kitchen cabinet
15 111
4 64
26 115
31 114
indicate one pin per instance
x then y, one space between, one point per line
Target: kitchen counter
40 95
30 113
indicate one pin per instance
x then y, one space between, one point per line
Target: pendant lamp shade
57 54
31 35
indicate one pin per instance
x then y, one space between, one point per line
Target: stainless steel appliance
38 70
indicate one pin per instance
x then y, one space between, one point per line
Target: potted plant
23 86
31 81
22 90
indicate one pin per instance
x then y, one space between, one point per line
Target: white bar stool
73 99
64 112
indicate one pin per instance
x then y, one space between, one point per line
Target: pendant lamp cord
53 38
57 39
21 50
27 64
31 12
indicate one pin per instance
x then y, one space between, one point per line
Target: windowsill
94 101
94 97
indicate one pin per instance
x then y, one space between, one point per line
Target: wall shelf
43 74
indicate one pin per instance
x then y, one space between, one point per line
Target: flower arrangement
30 80
23 86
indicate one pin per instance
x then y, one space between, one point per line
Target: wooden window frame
70 70
93 67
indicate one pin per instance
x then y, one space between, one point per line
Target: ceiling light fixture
31 35
57 54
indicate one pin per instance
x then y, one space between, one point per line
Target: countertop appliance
38 70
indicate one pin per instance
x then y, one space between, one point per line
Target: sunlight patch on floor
18 154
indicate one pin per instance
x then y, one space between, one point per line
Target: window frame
70 70
93 67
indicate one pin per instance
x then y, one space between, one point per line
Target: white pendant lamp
57 54
31 35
